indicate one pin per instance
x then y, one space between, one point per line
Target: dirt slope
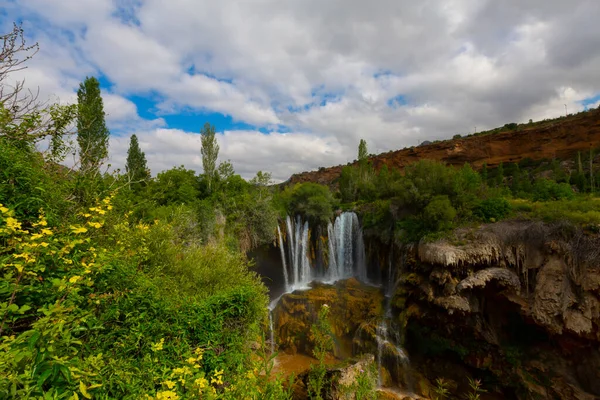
561 138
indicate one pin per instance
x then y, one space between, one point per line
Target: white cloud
326 71
249 151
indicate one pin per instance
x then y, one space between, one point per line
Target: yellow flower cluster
217 377
166 395
158 345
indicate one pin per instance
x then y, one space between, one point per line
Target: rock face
515 302
350 302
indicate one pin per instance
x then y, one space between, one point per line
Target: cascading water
345 246
389 352
283 260
271 332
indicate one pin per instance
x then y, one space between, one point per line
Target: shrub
27 184
545 190
439 214
493 209
311 200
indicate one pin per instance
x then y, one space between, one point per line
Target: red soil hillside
561 138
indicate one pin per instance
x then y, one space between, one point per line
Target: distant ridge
559 138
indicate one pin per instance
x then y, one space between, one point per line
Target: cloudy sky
291 85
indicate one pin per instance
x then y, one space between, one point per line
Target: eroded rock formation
516 302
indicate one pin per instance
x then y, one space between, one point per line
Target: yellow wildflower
96 225
78 229
3 209
46 231
167 395
169 384
217 377
201 383
36 236
191 360
44 244
158 345
100 211
87 215
106 201
74 279
13 223
109 207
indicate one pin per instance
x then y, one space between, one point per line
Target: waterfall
333 271
305 273
345 246
283 260
296 255
271 333
361 265
388 348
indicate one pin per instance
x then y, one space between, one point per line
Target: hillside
559 138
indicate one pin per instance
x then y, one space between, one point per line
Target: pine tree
92 134
210 153
136 167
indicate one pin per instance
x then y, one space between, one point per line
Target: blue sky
293 86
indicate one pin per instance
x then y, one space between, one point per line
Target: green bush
28 184
545 190
439 214
311 200
493 209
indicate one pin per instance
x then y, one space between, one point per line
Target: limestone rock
502 276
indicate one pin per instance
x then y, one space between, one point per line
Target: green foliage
92 134
363 153
364 385
322 338
475 389
546 190
311 200
441 390
136 166
493 209
439 214
581 210
210 153
28 184
175 187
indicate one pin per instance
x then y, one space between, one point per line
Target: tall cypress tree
210 153
92 134
136 167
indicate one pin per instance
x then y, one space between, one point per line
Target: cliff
561 138
515 302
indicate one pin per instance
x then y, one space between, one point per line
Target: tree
210 153
136 167
23 119
14 54
362 150
92 134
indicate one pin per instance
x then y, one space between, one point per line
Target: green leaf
83 390
43 377
24 309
